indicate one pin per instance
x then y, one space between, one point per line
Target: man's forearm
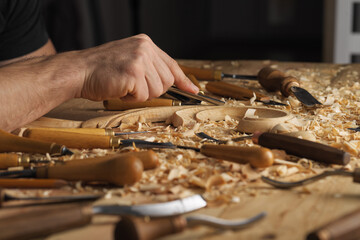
31 88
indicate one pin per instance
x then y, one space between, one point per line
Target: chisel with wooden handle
32 183
347 227
8 160
12 143
44 220
230 90
93 131
118 170
211 75
117 104
274 80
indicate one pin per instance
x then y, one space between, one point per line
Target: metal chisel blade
237 76
165 209
305 97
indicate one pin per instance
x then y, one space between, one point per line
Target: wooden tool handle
11 160
93 131
257 156
203 74
72 140
32 183
138 229
346 227
33 222
274 80
302 148
230 90
149 159
117 104
118 170
12 143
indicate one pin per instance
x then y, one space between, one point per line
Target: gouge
294 146
12 143
40 221
117 104
77 140
93 131
194 80
8 160
230 90
119 170
355 175
274 80
345 227
32 183
209 74
140 229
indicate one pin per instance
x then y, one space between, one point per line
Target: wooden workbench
291 214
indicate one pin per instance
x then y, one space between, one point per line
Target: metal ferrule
24 160
109 132
176 103
115 142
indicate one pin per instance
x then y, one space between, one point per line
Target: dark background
287 30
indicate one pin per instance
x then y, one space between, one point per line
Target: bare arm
133 69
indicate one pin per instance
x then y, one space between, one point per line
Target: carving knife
230 90
51 219
12 143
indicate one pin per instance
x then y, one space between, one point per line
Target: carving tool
357 129
51 219
344 228
230 90
177 93
274 80
8 160
32 183
278 184
209 74
118 170
93 131
139 229
12 143
295 146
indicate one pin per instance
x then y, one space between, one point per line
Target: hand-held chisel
8 160
93 131
12 143
274 80
117 104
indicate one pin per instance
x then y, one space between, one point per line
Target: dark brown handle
119 170
257 156
203 74
12 143
230 90
117 104
274 80
32 183
346 227
303 148
70 139
31 222
132 228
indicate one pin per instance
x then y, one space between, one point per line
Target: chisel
230 90
12 143
94 131
8 160
118 170
209 74
32 183
117 104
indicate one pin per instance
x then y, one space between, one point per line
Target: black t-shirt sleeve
22 29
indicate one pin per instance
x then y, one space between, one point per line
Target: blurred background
285 30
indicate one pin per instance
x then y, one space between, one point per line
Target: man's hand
133 69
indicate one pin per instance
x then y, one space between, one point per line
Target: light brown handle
346 227
12 143
11 160
33 222
71 140
149 159
93 131
203 74
274 80
118 170
32 183
117 104
194 80
302 148
257 156
230 90
138 229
